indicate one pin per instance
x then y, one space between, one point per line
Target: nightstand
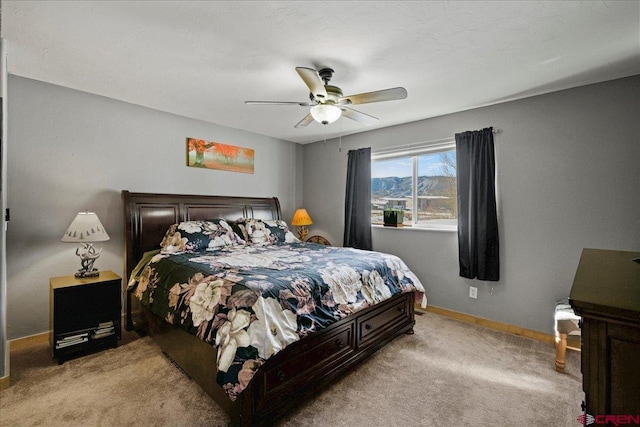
84 313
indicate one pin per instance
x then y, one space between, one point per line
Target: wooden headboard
147 216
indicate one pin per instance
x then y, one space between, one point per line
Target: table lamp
301 219
86 228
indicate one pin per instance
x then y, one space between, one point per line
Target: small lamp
86 228
300 219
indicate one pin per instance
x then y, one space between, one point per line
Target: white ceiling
204 59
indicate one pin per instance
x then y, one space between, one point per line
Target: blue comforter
253 301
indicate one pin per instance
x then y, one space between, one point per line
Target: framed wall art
214 155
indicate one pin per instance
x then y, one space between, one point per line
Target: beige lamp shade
301 217
85 228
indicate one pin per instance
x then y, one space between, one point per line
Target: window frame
413 152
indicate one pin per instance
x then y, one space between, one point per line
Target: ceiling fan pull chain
324 131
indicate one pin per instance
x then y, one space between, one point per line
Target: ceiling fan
327 102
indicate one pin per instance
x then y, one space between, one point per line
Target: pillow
194 236
264 232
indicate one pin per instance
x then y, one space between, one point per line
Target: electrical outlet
473 292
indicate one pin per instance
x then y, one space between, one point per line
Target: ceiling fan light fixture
325 113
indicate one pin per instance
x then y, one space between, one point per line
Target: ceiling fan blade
358 116
302 104
313 81
377 96
305 121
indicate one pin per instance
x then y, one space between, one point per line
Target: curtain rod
419 144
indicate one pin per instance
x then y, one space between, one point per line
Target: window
420 182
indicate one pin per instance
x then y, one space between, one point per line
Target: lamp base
83 273
88 255
302 232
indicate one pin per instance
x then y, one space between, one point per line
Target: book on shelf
104 329
74 337
67 343
102 334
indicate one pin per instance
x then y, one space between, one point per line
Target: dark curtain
357 207
477 216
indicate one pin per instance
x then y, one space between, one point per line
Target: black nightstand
84 313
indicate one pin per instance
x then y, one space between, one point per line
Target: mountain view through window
423 187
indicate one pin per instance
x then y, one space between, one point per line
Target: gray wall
568 166
69 151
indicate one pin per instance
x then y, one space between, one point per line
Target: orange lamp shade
301 217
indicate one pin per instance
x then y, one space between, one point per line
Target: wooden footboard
303 368
295 373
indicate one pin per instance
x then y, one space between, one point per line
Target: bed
285 376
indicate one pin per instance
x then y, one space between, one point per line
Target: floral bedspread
253 301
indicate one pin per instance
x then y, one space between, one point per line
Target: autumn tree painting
214 155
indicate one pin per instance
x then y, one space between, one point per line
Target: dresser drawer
384 321
329 351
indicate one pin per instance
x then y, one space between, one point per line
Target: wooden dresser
606 293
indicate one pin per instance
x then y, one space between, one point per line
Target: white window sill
419 228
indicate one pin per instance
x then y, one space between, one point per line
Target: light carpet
449 373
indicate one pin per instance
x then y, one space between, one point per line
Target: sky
428 165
